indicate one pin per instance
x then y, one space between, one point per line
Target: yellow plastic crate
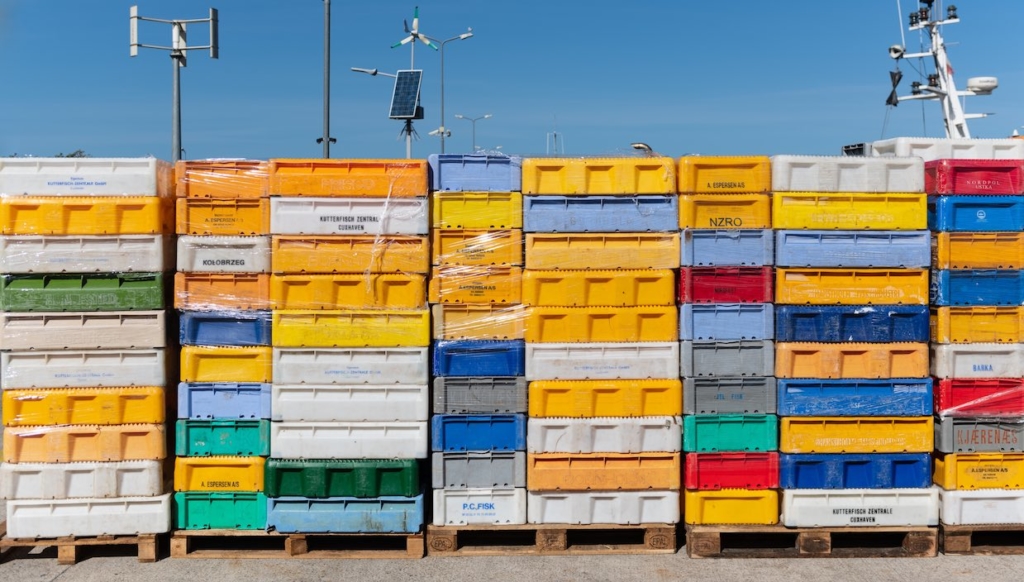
724 174
225 364
851 360
221 178
599 176
356 328
603 471
478 322
605 398
731 506
725 211
643 250
69 215
599 288
850 211
75 444
978 250
602 324
856 434
851 286
478 247
359 291
218 473
350 178
478 210
97 406
476 285
350 254
228 217
965 471
954 325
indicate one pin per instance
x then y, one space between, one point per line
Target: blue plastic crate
852 323
726 321
727 248
976 213
853 248
478 432
203 401
224 328
977 287
855 471
345 514
476 172
479 358
812 397
600 213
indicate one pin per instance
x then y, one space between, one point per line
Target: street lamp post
473 120
443 131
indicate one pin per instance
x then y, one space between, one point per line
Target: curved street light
443 131
473 120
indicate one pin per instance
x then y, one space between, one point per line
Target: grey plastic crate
478 470
986 435
729 395
483 395
736 358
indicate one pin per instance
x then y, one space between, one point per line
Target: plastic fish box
54 518
101 406
724 395
476 172
727 358
350 253
860 507
354 177
224 254
348 216
225 364
856 471
933 148
31 215
969 361
221 179
726 321
86 292
576 361
86 176
349 440
977 324
143 253
599 175
978 250
220 217
478 321
342 478
986 398
724 174
480 432
985 506
478 358
958 176
599 288
850 210
609 250
853 323
82 330
731 506
602 507
813 397
83 443
351 328
477 210
726 284
966 471
856 434
479 506
351 366
223 400
818 286
83 368
727 248
72 480
979 435
221 291
607 398
725 211
558 214
494 285
219 473
976 213
204 438
224 328
206 510
837 248
478 470
345 515
715 471
977 287
730 433
846 174
478 247
352 291
650 323
603 471
647 434
480 395
350 402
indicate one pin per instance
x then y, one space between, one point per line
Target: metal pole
474 135
408 139
176 110
327 78
442 96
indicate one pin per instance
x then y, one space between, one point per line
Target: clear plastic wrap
223 217
378 178
997 397
476 285
224 254
478 247
83 368
350 254
368 216
221 178
222 291
348 291
77 406
468 321
142 253
82 292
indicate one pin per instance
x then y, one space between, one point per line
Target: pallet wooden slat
550 539
961 539
216 544
776 541
67 547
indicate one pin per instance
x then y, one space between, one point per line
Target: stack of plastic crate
83 339
602 354
726 318
222 292
350 397
851 353
478 459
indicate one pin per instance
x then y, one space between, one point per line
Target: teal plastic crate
203 438
730 433
216 510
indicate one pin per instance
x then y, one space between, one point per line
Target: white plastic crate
611 507
85 177
349 402
860 507
349 440
83 368
302 215
846 174
977 360
937 148
74 480
224 254
141 253
597 361
82 330
981 506
646 434
54 518
480 506
351 366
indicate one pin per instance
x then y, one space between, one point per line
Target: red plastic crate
995 177
726 285
714 471
995 397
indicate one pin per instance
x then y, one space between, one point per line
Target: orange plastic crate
221 179
350 254
237 216
348 178
221 291
603 471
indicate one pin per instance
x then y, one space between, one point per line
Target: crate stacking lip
977 287
853 249
605 398
861 397
222 291
20 481
478 247
608 250
716 471
222 437
959 176
981 507
479 395
476 172
600 214
645 434
351 365
978 250
977 324
965 471
478 470
725 211
222 217
477 210
485 506
224 328
86 177
241 510
478 321
851 360
603 471
729 395
353 328
979 435
345 514
321 478
145 253
728 433
222 179
219 473
859 507
478 358
726 321
819 286
856 471
593 361
726 358
602 507
350 402
81 215
85 292
97 406
598 288
724 174
349 216
83 368
223 254
856 434
727 248
846 174
56 518
599 175
971 361
480 285
851 323
850 210
731 506
976 213
937 148
353 291
349 440
83 330
478 432
364 177
986 398
72 444
213 400
350 253
649 323
726 284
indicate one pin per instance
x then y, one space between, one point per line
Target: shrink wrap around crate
861 397
857 434
990 177
82 330
860 507
978 250
477 210
479 506
987 398
852 323
222 179
647 434
21 481
86 177
362 177
850 210
223 217
83 368
715 471
725 211
351 365
933 148
350 253
88 517
476 172
350 403
224 254
222 291
139 253
348 216
593 175
602 507
352 291
478 321
603 471
846 174
982 506
623 250
478 247
345 515
602 360
727 248
724 174
731 506
72 444
478 285
853 249
85 292
342 478
66 406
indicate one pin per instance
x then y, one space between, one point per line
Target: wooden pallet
68 547
229 543
557 539
776 541
982 540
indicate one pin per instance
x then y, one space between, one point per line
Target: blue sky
710 77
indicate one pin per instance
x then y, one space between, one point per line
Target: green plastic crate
730 432
215 510
203 438
342 478
87 292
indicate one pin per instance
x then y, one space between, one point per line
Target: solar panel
407 95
